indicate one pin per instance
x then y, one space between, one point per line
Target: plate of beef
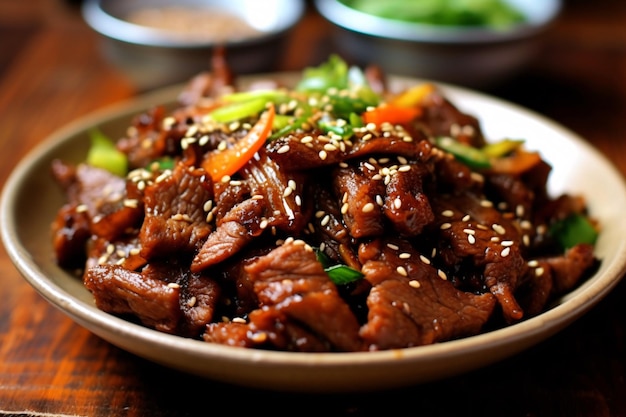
328 230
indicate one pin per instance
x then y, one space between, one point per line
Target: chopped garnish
103 154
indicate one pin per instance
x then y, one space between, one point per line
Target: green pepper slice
103 154
470 156
574 229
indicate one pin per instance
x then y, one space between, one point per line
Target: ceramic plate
577 168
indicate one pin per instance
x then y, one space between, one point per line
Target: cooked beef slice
175 220
410 304
300 308
119 291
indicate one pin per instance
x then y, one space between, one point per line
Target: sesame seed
81 208
322 155
414 283
192 302
344 208
402 271
173 285
283 149
259 337
507 243
477 177
131 203
368 208
539 272
424 260
498 229
404 255
397 203
445 226
393 246
164 175
533 263
325 220
239 320
471 239
442 274
505 252
287 192
447 213
193 129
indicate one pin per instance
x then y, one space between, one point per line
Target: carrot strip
220 163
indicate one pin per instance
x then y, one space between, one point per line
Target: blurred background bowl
160 42
473 56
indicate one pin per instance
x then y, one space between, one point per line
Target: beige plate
578 168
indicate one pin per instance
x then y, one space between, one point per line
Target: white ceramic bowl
154 57
468 56
25 226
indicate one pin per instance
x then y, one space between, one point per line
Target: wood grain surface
52 72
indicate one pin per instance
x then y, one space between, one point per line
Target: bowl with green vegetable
475 43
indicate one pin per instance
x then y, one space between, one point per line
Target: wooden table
51 72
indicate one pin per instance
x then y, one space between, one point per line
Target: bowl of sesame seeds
579 172
474 44
156 43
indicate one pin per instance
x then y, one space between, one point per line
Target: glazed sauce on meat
205 24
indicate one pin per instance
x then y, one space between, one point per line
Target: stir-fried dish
332 215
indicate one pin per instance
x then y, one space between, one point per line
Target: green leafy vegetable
494 13
333 83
